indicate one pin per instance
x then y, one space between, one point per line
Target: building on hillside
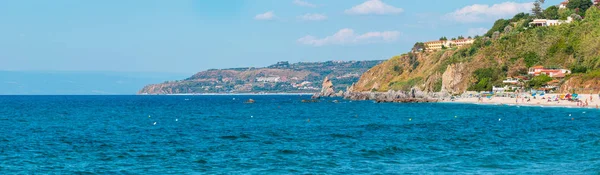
438 45
551 86
434 45
462 42
554 73
268 79
549 22
511 80
563 4
596 2
281 64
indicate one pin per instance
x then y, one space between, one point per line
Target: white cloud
476 31
347 36
265 16
374 7
484 12
304 3
313 17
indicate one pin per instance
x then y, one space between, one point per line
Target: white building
549 22
268 79
563 4
511 81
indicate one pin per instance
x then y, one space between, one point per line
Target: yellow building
434 45
437 45
462 42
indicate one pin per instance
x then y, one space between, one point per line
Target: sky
187 36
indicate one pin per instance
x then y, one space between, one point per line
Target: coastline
594 103
230 94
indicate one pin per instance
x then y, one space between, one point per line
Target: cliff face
509 52
417 70
581 84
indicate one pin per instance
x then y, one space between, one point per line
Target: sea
280 134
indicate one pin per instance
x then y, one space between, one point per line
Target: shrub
437 87
485 79
398 69
539 81
499 25
531 58
578 69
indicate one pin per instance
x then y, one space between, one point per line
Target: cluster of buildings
440 44
268 79
553 73
515 83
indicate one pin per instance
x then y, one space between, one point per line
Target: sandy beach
523 100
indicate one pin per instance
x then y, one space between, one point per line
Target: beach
528 100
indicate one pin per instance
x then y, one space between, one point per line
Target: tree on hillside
565 13
539 81
470 37
537 9
518 17
461 37
452 39
551 12
580 6
419 46
443 38
499 25
593 14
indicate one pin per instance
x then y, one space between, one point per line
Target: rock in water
327 89
339 94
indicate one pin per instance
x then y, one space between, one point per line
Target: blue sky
188 36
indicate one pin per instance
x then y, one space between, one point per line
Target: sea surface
282 135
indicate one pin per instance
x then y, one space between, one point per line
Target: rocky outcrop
581 85
327 88
413 96
455 78
165 88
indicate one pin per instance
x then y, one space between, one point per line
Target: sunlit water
281 135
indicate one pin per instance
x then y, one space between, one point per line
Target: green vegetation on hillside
508 49
282 77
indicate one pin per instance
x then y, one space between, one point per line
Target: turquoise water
281 135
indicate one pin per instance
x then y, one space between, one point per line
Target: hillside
282 77
507 50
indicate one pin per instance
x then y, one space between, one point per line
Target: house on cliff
554 73
549 22
438 45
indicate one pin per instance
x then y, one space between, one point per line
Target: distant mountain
77 83
283 77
